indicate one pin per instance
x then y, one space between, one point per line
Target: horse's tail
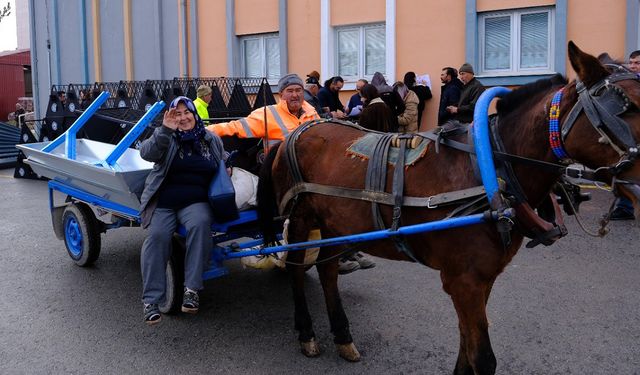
267 205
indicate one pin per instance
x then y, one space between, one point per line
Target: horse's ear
588 68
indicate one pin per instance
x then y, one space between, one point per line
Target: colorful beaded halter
555 139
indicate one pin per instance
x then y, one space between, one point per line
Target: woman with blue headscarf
186 156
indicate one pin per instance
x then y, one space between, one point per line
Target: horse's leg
328 272
303 323
470 294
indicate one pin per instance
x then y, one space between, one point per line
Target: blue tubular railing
70 135
482 141
133 134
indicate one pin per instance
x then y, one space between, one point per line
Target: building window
517 42
260 56
360 51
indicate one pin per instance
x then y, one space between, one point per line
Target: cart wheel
174 278
81 234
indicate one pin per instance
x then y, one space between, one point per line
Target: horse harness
603 105
375 182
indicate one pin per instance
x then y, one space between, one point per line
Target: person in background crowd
311 88
450 93
62 97
202 101
469 95
423 93
624 208
390 97
408 120
185 158
18 112
314 74
354 107
330 99
85 99
376 114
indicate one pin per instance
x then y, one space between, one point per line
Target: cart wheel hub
74 236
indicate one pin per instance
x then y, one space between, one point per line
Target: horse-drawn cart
96 186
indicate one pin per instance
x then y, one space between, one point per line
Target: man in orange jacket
282 118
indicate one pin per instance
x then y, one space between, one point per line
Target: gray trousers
156 248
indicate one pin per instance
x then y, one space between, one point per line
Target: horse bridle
603 105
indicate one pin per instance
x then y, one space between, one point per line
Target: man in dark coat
329 97
450 94
471 91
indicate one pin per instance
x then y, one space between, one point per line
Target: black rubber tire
81 234
174 278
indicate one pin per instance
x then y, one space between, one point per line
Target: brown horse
469 258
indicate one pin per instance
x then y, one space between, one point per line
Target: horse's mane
517 97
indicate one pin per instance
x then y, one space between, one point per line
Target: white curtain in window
252 58
497 39
374 50
348 46
272 46
534 40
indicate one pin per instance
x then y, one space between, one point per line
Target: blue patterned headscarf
191 139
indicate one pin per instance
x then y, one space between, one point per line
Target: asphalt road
571 308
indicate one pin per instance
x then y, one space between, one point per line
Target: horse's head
603 127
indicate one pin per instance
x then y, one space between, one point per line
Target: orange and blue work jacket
280 122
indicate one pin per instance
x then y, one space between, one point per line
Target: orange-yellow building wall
596 27
303 26
356 11
212 40
429 34
256 16
427 41
491 5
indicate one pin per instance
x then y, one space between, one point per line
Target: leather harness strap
381 197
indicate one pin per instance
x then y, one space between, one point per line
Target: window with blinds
261 56
360 51
517 42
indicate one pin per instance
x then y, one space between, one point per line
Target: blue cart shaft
371 236
482 141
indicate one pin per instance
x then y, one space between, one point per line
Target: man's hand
338 114
169 120
452 109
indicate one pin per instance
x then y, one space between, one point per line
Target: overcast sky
8 31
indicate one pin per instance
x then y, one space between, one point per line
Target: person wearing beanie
311 88
202 102
469 95
185 158
281 118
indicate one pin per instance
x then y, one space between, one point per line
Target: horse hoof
348 352
310 348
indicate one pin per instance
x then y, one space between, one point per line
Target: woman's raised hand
170 120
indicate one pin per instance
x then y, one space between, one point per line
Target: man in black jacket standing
471 91
450 94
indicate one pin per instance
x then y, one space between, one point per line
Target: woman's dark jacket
161 148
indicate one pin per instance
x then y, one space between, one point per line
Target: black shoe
190 301
151 314
621 213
